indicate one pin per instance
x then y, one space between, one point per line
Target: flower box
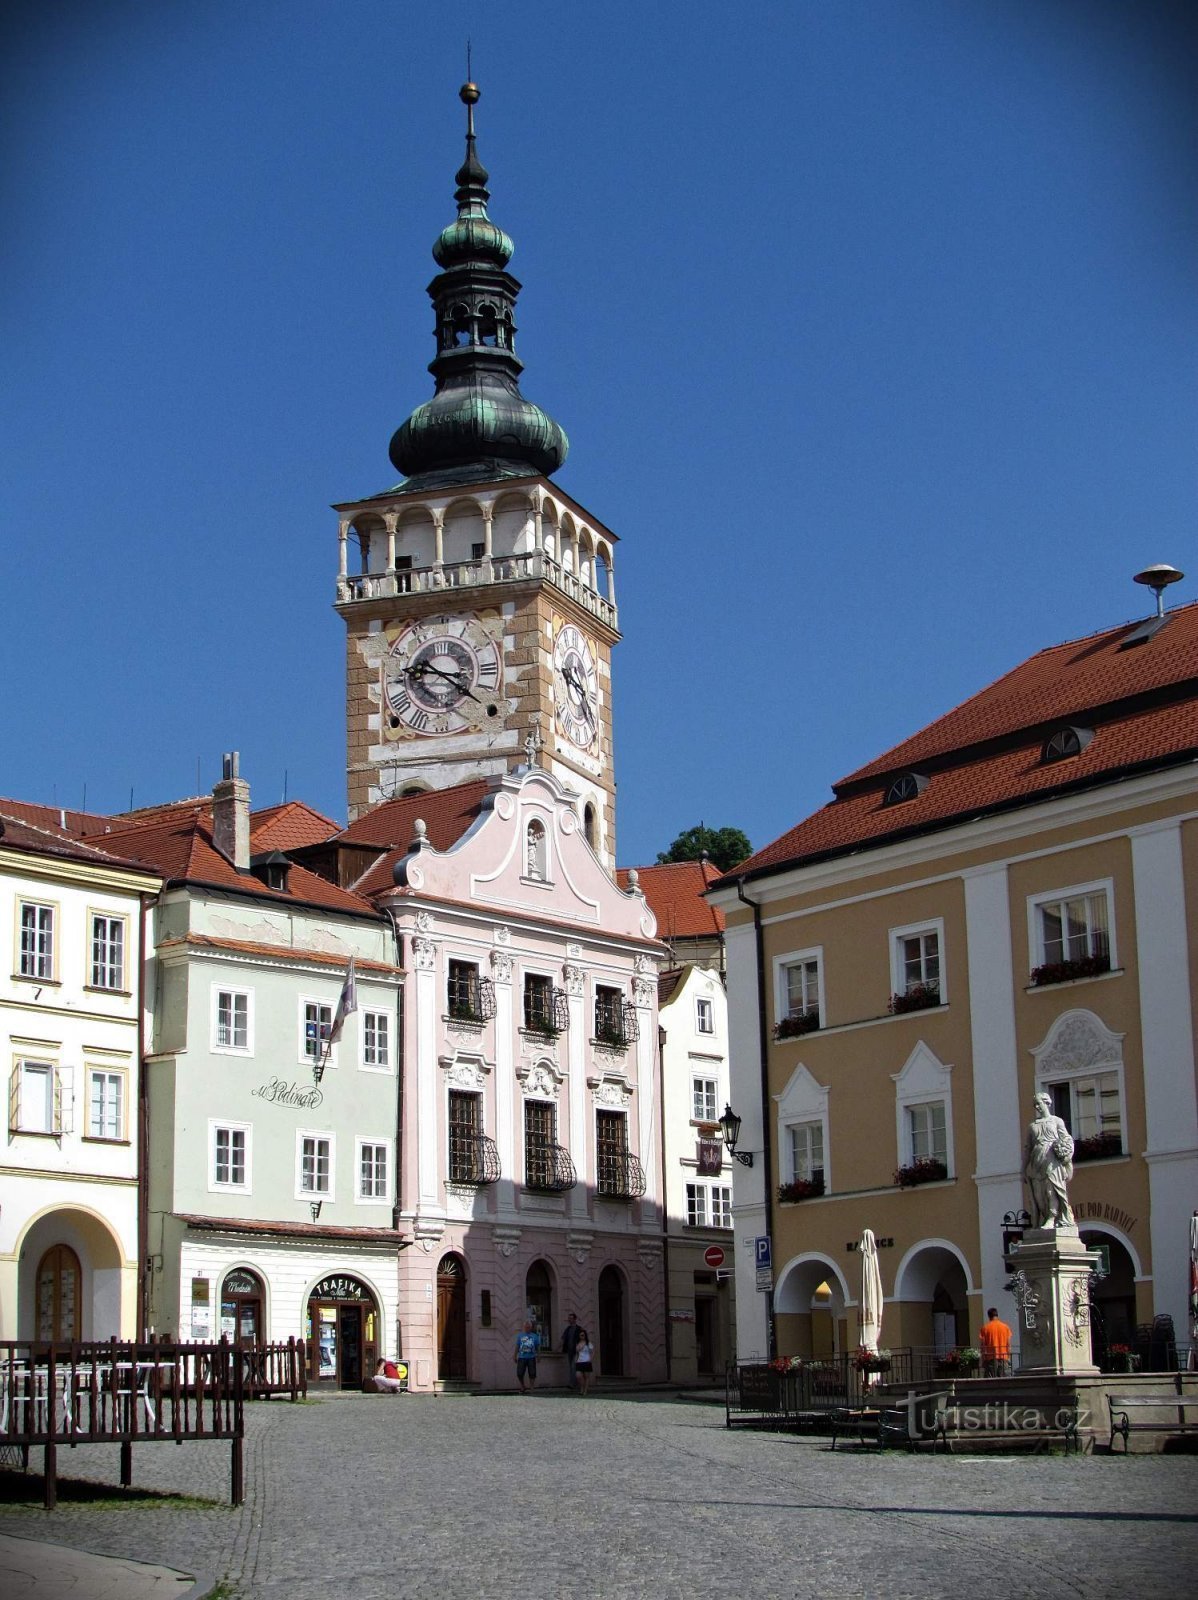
919 997
797 1024
867 1360
1099 1147
961 1363
801 1189
1067 971
926 1170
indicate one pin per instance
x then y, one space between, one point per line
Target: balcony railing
474 1160
471 1000
620 1175
547 1012
548 1168
534 564
616 1025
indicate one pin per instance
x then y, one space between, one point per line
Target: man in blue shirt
528 1342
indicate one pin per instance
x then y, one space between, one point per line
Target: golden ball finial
469 94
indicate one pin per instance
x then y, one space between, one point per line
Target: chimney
231 814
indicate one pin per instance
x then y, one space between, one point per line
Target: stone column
505 1086
488 512
1051 1271
392 520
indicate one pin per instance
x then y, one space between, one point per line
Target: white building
70 988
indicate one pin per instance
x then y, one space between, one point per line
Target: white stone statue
1048 1167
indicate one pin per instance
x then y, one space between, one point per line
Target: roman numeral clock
442 675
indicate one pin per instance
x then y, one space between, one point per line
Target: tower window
460 326
488 331
588 824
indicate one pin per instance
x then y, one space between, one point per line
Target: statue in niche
1048 1167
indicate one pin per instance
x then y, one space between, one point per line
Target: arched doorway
343 1331
611 1323
451 1317
59 1294
931 1299
810 1301
538 1297
1113 1299
241 1302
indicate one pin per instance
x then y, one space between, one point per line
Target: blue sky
872 325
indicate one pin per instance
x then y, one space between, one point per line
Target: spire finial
469 94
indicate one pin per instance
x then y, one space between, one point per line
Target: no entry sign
713 1256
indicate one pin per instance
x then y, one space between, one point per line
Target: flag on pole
347 1003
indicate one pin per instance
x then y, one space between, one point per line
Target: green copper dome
477 425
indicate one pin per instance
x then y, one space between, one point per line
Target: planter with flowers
926 1170
797 1024
963 1362
866 1360
1068 971
1098 1147
801 1189
917 998
1120 1358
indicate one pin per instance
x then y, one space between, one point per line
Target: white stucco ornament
424 954
575 980
501 966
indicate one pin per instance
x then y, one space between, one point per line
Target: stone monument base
1050 1271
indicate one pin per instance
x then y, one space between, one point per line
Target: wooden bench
1122 1405
1006 1424
856 1422
913 1423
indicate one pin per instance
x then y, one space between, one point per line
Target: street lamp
314 1208
730 1128
1014 1224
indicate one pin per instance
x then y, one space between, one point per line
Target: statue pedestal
1051 1283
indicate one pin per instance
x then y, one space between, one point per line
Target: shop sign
1100 1211
340 1287
683 1314
710 1157
278 1092
239 1281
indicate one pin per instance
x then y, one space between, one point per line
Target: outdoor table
859 1420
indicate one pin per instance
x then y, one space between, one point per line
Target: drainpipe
399 1069
665 1210
767 1165
143 1134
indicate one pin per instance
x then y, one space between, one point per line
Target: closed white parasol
870 1314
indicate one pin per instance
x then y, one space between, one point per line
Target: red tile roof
447 812
675 893
986 755
81 824
287 952
16 833
289 827
388 1237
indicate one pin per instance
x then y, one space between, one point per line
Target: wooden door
451 1318
611 1323
59 1291
705 1334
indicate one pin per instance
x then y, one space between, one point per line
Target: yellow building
1004 903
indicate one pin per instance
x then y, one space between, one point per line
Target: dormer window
1066 742
272 870
907 786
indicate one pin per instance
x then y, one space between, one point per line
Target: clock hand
423 668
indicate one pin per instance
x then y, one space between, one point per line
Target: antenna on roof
1158 579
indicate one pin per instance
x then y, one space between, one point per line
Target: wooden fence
126 1394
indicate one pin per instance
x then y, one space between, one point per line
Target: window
704 1016
542 1011
465 1126
1091 1108
232 1020
35 1101
907 786
614 1021
315 1164
37 941
807 1151
318 1024
376 1040
721 1206
538 1298
1071 934
611 1152
469 996
696 1205
106 1105
917 966
1065 742
798 993
540 1141
929 1138
108 952
708 1205
230 1156
705 1099
372 1170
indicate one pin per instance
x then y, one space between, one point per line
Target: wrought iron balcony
617 1026
546 1011
473 1159
471 1000
548 1168
620 1175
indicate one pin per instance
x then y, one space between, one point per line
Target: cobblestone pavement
548 1495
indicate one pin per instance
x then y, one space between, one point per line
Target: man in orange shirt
994 1338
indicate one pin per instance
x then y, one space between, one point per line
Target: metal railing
470 999
473 1159
548 1168
620 1175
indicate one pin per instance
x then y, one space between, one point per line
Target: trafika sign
713 1256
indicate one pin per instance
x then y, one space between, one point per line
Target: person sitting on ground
387 1378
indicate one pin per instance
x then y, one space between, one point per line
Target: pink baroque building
530 1145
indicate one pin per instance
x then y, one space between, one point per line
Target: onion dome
477 425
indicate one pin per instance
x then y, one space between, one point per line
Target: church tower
482 614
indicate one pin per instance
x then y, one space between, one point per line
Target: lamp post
730 1128
1014 1225
314 1208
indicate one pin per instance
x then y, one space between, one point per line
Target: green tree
723 847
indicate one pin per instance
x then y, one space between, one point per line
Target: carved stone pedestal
1050 1273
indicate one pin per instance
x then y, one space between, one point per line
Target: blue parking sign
764 1259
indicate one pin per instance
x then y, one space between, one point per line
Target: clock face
442 676
576 688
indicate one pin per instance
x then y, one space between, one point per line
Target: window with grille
540 1139
611 1152
705 1099
106 1105
230 1150
316 1163
609 1016
372 1171
37 941
540 1010
465 1125
108 952
376 1040
465 992
232 1019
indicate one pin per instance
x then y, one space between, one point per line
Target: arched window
488 332
589 825
538 1295
536 852
460 333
